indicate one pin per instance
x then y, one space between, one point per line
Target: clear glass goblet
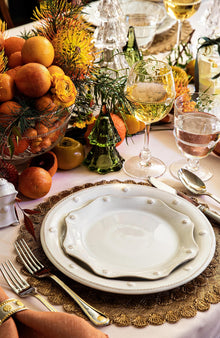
196 130
181 10
150 90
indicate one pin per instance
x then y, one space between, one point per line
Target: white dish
92 15
134 236
52 236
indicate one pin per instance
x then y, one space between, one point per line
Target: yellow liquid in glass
181 10
150 101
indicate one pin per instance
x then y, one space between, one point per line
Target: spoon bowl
194 184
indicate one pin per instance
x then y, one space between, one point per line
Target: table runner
124 310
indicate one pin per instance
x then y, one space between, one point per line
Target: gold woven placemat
124 310
165 41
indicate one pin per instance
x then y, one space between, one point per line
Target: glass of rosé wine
196 131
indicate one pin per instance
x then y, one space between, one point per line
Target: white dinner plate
133 236
92 15
53 227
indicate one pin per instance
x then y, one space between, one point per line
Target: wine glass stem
145 154
179 27
192 164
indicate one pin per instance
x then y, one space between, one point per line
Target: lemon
190 68
133 125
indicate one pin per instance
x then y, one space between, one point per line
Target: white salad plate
91 14
134 236
53 232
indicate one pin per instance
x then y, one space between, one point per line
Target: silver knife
163 186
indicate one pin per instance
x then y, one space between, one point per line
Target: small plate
91 14
130 237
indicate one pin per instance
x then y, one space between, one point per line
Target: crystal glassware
196 130
181 10
145 17
150 90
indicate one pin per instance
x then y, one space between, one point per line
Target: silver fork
19 285
38 270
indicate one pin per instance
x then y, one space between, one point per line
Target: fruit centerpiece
39 75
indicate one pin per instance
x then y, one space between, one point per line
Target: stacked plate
92 15
127 238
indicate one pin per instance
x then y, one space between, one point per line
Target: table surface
162 144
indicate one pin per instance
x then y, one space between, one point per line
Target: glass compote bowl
150 90
41 133
181 10
196 130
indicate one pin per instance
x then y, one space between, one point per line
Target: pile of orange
29 70
36 180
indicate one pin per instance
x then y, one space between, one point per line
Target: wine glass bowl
145 17
150 90
181 10
196 131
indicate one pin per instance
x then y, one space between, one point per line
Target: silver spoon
194 184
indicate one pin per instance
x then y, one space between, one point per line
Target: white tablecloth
162 143
204 325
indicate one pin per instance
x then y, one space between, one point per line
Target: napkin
34 324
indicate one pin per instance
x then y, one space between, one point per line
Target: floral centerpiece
46 70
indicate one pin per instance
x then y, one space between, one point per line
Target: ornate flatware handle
96 317
45 302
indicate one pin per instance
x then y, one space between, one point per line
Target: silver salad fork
37 269
19 285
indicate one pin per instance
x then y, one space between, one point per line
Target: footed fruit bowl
39 135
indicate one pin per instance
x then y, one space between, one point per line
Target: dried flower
63 90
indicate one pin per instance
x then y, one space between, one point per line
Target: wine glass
150 90
196 130
144 17
181 10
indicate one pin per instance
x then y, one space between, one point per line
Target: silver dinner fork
19 285
37 269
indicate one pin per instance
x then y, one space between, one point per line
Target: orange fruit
13 44
45 143
20 146
45 104
41 128
120 126
34 182
6 87
47 161
7 110
12 71
30 133
15 60
53 69
38 49
33 80
133 125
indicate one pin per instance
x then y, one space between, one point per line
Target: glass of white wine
151 91
181 10
196 130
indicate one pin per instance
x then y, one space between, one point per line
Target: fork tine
6 277
16 274
12 276
28 259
